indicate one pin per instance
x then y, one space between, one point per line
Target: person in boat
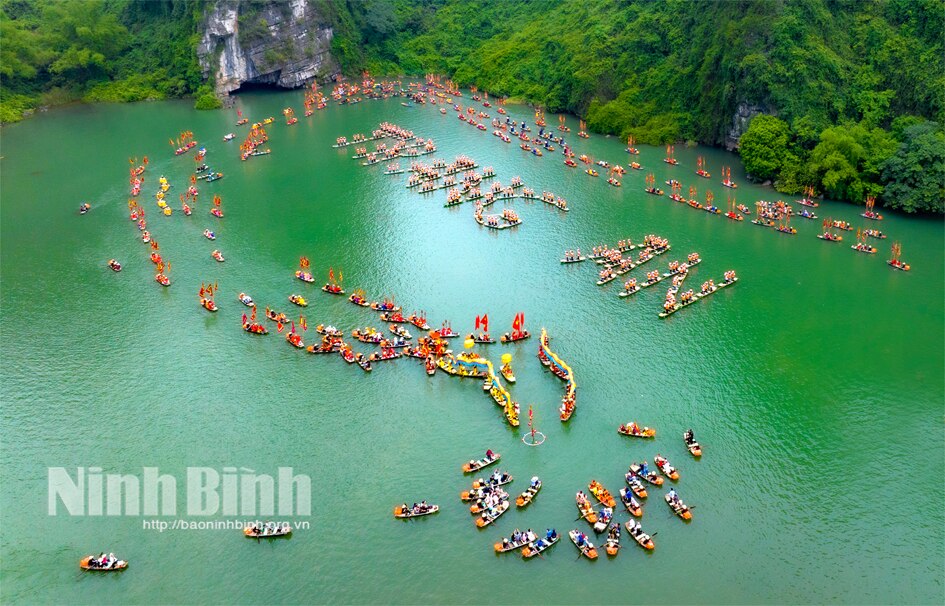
534 482
643 470
581 539
551 534
489 454
689 437
673 497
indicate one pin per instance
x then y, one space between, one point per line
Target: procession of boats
489 500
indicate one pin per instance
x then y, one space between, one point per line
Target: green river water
815 384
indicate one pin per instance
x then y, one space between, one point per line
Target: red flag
515 323
478 321
485 322
201 290
331 273
239 113
303 323
279 327
244 318
252 316
293 327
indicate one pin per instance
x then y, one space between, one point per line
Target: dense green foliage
55 51
764 146
667 71
838 85
915 174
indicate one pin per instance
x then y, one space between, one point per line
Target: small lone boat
304 276
208 304
489 459
114 265
333 289
693 446
246 300
267 530
581 541
209 235
84 208
102 563
679 508
216 254
529 495
403 512
634 430
298 300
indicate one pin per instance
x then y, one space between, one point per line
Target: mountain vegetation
847 96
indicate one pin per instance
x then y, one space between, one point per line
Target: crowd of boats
489 501
614 264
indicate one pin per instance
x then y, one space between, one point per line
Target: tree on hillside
764 146
915 174
847 160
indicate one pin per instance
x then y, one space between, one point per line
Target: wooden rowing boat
646 432
586 547
257 531
601 494
635 485
86 563
529 495
400 512
668 470
472 466
678 507
584 506
636 531
504 478
632 505
651 476
612 545
490 516
539 546
506 545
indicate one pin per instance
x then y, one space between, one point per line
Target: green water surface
815 384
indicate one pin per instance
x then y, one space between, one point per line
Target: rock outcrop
743 115
283 44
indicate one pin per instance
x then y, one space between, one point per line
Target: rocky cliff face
743 115
283 43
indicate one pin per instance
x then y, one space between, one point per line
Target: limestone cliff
740 121
283 43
